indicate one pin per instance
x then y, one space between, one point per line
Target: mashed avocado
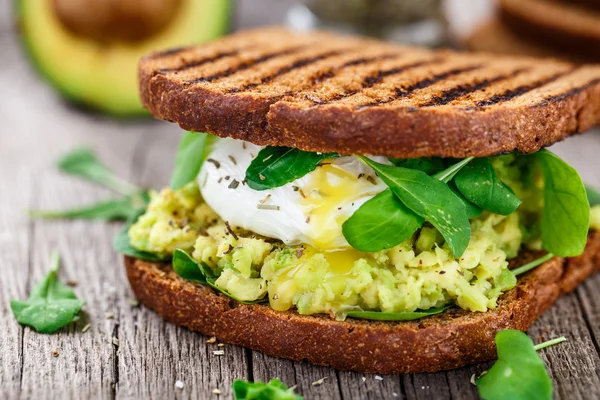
419 273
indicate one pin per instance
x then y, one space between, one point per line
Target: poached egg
309 210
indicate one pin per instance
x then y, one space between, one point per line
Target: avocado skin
69 94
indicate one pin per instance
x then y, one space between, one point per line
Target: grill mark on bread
422 84
196 63
571 92
244 65
465 88
169 52
521 90
373 79
331 72
288 68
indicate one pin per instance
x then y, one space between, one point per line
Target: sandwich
362 205
542 28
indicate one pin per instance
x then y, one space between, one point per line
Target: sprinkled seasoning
220 180
109 315
115 341
230 231
212 340
133 302
442 272
371 179
262 177
55 353
229 250
216 391
263 201
72 282
233 160
219 352
234 184
179 385
227 177
267 207
215 162
86 328
319 382
265 159
299 252
221 345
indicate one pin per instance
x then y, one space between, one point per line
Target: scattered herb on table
50 306
276 166
273 390
519 373
83 163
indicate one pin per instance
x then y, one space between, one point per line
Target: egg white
290 216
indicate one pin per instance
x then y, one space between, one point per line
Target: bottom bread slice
448 340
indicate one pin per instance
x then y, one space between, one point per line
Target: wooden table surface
35 128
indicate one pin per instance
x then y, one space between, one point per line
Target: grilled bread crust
573 28
327 93
445 341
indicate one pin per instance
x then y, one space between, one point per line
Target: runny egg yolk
330 190
306 275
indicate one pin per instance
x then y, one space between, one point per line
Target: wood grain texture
35 128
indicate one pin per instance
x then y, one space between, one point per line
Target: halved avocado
102 74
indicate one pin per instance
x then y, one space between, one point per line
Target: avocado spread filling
419 273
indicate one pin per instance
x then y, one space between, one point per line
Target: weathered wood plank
354 385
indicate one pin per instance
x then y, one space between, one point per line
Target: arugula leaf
472 210
429 165
593 195
531 265
380 223
190 156
122 245
449 173
111 210
519 373
480 185
274 390
429 198
399 316
183 265
276 166
84 164
50 306
566 211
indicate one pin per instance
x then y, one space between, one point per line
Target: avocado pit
116 20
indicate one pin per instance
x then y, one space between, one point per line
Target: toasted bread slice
440 342
327 93
495 37
573 28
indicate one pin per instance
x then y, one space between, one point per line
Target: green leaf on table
566 212
398 316
593 195
429 165
274 390
84 164
50 306
276 166
110 210
519 373
190 156
429 198
380 223
480 185
183 265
